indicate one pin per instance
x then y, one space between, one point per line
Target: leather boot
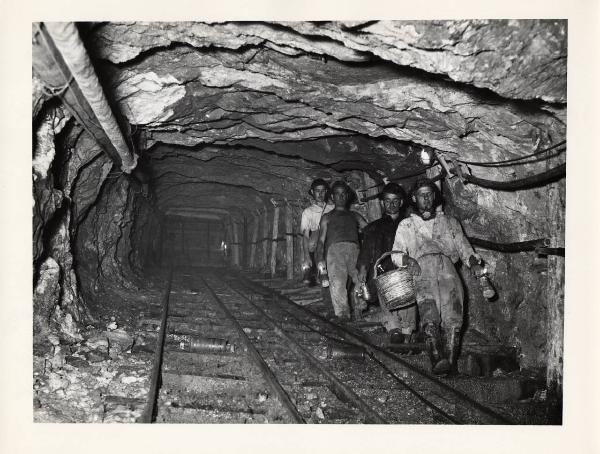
452 347
439 364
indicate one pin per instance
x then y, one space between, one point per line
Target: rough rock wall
528 311
555 289
106 256
69 172
67 166
145 233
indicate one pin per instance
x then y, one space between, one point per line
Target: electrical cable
548 176
506 163
518 163
513 160
520 246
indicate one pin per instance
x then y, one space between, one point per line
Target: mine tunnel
174 161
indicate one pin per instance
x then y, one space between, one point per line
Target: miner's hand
321 266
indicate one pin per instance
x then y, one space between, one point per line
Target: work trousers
403 319
439 292
341 264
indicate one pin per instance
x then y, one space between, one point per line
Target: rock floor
100 380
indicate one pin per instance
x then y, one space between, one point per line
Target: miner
338 247
378 238
437 242
309 227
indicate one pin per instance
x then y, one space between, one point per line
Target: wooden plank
200 384
206 416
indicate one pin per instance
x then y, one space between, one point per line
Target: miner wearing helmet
437 242
378 238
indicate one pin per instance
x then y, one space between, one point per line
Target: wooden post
245 251
265 235
298 258
162 241
373 206
289 242
430 173
274 240
236 243
208 241
229 242
182 242
252 264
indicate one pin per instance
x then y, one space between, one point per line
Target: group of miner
340 250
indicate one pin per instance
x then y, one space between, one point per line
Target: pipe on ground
67 40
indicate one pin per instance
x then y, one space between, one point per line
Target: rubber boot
439 364
396 336
307 276
452 348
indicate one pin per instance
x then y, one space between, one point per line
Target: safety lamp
425 157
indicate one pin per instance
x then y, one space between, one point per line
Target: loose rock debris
96 380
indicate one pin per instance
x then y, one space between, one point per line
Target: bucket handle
384 255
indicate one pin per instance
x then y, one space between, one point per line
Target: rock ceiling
237 113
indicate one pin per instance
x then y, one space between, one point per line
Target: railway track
230 350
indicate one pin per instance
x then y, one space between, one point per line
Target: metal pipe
67 40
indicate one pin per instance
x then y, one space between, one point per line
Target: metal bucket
395 288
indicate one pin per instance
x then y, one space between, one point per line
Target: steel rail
337 384
424 400
374 348
150 410
268 374
414 392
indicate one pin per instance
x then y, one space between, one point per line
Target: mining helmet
423 183
392 188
